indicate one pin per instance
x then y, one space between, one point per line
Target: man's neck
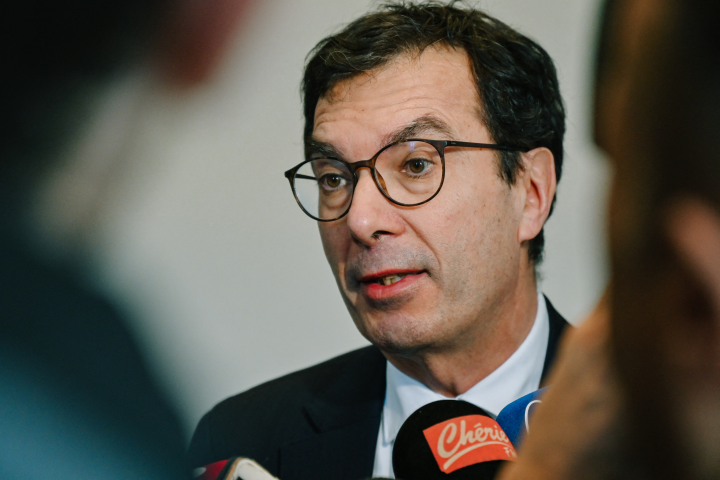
452 371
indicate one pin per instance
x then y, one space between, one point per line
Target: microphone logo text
463 441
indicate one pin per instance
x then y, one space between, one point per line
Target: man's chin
396 341
402 349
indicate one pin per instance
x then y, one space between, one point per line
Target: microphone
515 417
450 440
237 468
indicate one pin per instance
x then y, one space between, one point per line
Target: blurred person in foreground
76 397
636 392
433 148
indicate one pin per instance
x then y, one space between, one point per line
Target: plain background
181 200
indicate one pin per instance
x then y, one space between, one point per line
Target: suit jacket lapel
346 419
557 327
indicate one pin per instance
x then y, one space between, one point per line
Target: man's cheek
335 248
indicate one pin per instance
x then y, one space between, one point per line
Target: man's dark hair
516 79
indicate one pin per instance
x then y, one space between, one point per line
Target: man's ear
538 182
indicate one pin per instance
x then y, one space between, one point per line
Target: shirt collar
518 376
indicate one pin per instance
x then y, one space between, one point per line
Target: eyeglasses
408 173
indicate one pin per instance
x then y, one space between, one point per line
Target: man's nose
371 215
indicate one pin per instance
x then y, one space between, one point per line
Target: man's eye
332 181
417 165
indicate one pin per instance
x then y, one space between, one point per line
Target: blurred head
441 73
657 115
60 60
56 58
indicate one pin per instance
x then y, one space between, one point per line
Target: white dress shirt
518 376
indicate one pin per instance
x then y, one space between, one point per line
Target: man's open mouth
390 279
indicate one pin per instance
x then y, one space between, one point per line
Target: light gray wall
197 230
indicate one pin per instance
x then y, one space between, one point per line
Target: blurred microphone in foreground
636 393
237 468
450 439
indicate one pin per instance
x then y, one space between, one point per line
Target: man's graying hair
516 79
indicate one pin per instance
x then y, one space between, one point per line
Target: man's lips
388 283
388 277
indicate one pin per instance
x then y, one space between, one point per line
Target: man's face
453 260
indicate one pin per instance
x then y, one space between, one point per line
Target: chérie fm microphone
450 440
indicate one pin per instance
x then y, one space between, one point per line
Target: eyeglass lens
409 173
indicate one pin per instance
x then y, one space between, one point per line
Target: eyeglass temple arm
306 177
290 173
492 146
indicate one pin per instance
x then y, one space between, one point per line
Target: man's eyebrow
419 127
316 147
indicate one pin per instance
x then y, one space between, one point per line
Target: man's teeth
390 279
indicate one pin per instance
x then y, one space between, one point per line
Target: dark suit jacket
318 423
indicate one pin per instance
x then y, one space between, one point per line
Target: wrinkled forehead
439 81
412 57
453 64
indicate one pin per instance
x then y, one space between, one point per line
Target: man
433 241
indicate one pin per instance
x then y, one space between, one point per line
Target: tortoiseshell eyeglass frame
353 167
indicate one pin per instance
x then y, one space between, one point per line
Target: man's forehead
431 91
441 57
